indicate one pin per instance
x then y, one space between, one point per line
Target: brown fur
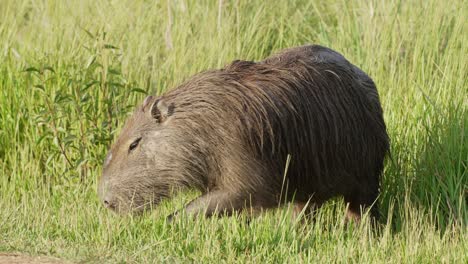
229 132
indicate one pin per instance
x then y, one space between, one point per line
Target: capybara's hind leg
360 200
306 210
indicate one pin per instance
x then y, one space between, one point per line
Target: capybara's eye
134 144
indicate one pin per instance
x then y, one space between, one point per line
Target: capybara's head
142 165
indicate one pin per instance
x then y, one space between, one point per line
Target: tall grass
71 71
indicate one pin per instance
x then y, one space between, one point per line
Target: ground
12 258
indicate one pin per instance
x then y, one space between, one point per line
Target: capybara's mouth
132 209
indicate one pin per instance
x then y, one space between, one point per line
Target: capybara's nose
105 196
109 204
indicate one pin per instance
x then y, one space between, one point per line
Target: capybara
302 126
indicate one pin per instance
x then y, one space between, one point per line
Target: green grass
71 71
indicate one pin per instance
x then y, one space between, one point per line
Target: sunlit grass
71 71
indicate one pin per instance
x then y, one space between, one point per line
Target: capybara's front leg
217 202
221 202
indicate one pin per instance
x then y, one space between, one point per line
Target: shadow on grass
430 175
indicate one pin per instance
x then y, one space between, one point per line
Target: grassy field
71 71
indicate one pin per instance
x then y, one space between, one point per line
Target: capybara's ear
146 102
161 111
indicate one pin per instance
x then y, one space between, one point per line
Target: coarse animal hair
229 132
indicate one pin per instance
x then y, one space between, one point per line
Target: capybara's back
332 126
230 133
